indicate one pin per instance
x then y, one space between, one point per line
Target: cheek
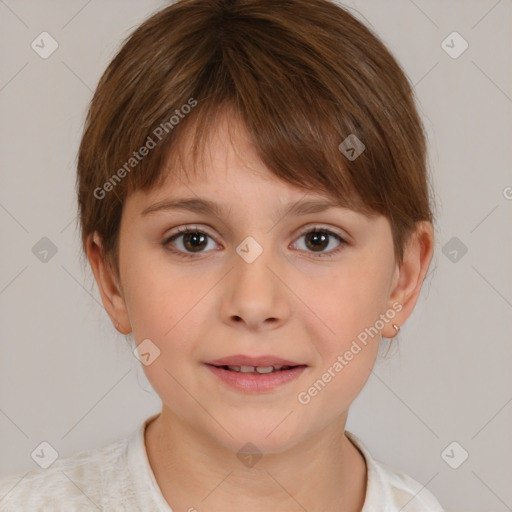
349 303
164 307
169 308
345 339
344 302
159 298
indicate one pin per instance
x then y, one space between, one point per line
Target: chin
263 438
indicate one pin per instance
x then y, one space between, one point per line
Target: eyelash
314 229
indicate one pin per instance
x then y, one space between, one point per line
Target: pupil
197 239
317 236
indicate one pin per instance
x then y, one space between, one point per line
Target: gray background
68 378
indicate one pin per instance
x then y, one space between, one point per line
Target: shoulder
79 482
390 490
408 494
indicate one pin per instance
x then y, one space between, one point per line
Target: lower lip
256 383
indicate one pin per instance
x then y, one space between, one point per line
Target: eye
192 241
318 238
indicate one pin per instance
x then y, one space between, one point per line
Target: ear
108 284
410 274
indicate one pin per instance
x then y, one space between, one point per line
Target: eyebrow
199 205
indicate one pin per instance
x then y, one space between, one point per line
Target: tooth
247 369
234 368
264 369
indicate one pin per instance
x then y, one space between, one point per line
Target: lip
244 360
256 383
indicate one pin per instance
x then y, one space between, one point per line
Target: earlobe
108 285
411 274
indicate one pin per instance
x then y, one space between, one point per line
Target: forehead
228 167
227 173
223 189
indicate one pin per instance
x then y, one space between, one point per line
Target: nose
256 296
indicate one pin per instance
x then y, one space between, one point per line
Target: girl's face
254 281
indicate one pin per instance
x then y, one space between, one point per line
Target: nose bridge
252 262
256 294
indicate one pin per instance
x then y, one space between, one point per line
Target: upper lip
243 360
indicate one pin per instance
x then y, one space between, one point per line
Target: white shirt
118 478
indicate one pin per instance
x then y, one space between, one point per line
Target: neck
325 472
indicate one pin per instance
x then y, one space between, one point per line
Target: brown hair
302 75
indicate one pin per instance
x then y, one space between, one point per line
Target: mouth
259 370
255 375
240 361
